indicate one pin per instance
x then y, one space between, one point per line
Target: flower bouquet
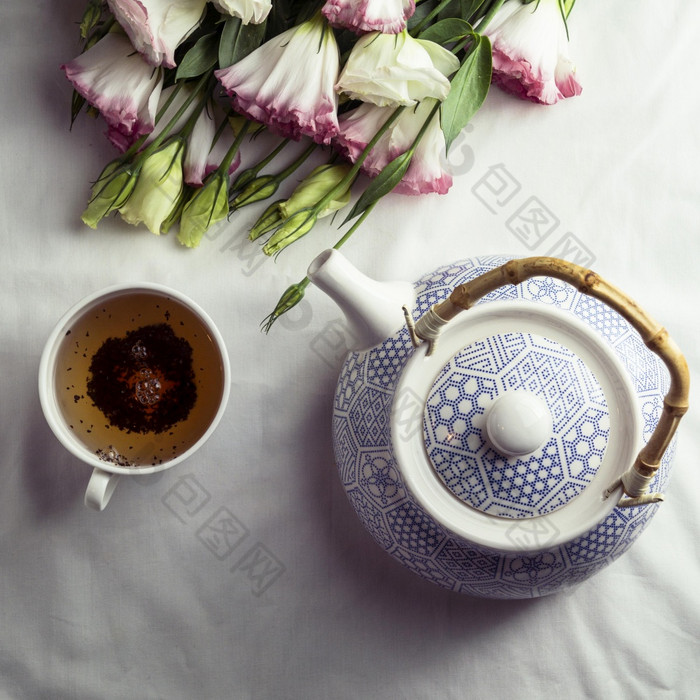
381 87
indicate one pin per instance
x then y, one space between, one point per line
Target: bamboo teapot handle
635 481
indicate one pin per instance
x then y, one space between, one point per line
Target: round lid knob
518 422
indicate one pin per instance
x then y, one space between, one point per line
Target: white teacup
133 380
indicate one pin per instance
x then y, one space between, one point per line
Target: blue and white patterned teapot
503 427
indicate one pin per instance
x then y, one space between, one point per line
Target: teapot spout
373 310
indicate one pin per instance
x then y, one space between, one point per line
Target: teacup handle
635 481
100 489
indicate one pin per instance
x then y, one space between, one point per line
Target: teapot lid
516 425
520 418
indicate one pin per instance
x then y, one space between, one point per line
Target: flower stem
284 174
231 153
355 226
495 7
251 173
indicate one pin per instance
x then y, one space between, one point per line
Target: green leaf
470 85
199 59
227 43
447 31
91 18
77 103
382 184
238 40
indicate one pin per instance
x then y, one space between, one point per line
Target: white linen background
132 603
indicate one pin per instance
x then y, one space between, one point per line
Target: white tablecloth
293 599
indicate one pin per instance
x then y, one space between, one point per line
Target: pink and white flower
249 11
361 16
157 27
287 83
396 69
530 52
425 173
120 84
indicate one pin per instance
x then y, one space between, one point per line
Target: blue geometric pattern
369 416
379 478
600 316
373 481
413 529
455 435
385 362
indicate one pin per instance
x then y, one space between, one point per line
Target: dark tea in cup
134 379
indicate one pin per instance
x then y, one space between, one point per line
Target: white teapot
502 427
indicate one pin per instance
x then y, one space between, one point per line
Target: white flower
287 83
119 83
360 16
249 11
396 69
157 27
530 52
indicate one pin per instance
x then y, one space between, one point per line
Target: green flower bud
207 206
295 227
111 191
313 188
308 204
243 179
257 190
270 220
291 297
158 187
